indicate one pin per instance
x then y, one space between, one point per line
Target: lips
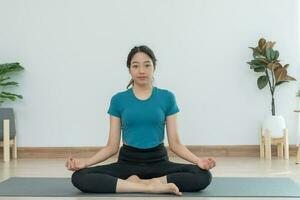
142 77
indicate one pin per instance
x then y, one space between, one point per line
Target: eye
134 66
148 65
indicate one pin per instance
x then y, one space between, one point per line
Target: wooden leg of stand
286 145
280 150
268 144
261 145
14 154
6 143
298 155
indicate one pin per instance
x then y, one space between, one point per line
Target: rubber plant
272 72
5 82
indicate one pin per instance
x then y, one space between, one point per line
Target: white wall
75 52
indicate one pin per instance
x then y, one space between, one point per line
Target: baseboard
199 150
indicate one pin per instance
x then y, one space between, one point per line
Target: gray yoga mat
220 187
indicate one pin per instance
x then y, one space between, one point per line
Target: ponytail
131 82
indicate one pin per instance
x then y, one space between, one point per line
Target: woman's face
141 69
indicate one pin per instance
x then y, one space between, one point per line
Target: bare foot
154 185
134 178
164 188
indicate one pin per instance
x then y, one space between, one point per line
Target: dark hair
137 49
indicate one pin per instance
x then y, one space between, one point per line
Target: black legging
146 164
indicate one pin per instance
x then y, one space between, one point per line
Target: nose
141 70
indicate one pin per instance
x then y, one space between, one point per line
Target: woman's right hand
74 164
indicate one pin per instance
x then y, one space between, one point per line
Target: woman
142 112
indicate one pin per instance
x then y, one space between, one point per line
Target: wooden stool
7 141
8 133
266 141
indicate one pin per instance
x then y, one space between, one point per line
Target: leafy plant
5 69
298 93
265 60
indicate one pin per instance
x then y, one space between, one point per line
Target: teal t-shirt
143 121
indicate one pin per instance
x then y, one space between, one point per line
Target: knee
76 179
202 180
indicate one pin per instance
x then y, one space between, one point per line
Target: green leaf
258 66
269 54
298 93
263 60
4 79
9 83
8 97
257 56
276 55
259 69
255 62
273 54
262 81
8 94
10 67
280 82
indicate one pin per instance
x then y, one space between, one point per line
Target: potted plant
5 83
272 73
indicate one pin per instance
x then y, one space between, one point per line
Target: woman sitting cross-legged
143 165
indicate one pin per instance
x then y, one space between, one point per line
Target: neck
142 88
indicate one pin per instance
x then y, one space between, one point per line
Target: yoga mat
220 187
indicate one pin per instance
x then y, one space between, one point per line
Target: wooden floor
226 166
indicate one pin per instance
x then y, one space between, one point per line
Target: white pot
276 124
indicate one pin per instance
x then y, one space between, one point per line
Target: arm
180 150
110 149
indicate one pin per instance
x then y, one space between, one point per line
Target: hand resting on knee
74 164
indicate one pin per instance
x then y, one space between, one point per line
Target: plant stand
8 133
266 141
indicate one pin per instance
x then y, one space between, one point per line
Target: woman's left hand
206 163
